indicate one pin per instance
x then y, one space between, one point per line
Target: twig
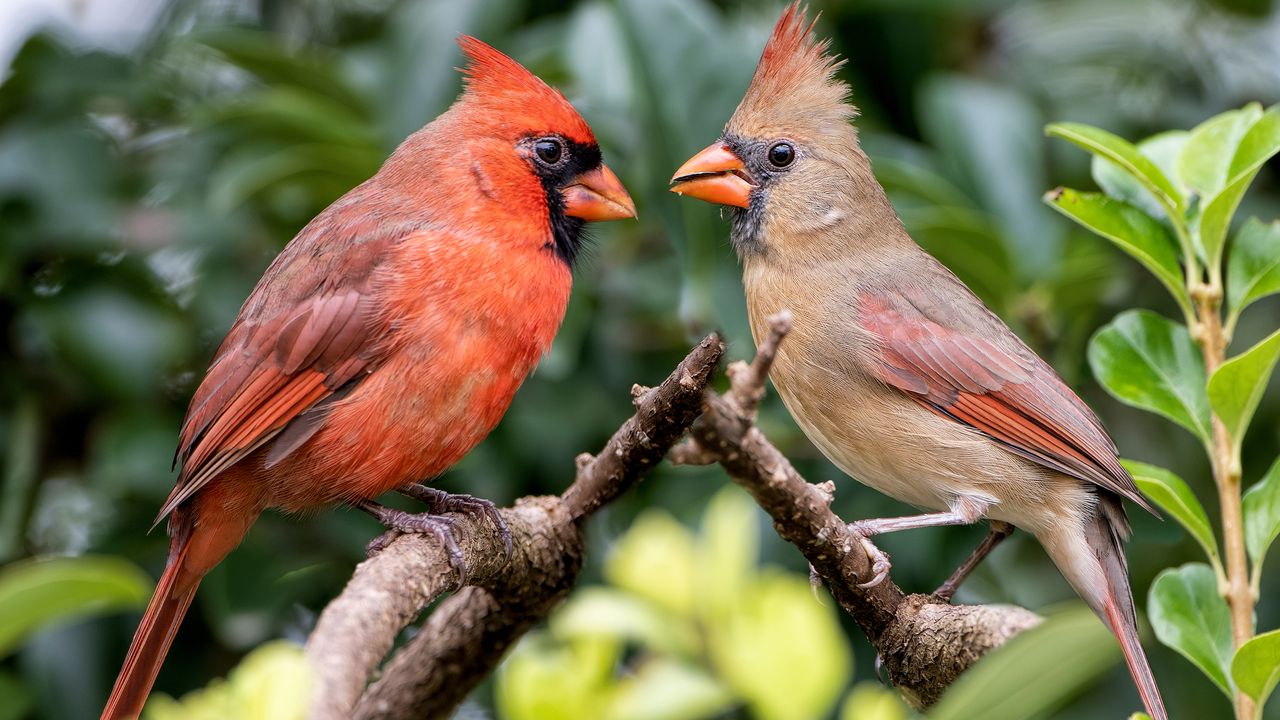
925 643
465 637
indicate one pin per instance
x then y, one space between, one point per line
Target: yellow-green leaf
37 593
1132 230
1258 145
1172 495
1256 666
1262 515
1237 385
1253 267
1123 154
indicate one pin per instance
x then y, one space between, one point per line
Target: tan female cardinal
894 369
388 337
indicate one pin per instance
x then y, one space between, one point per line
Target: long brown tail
160 622
1096 567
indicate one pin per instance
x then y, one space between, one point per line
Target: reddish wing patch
1012 397
265 376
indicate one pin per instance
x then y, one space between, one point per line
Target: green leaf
1132 230
1122 153
656 546
869 700
1034 672
1190 616
271 683
545 679
781 649
1258 145
1162 149
1172 495
37 593
1262 515
728 550
1149 362
1256 667
1205 160
663 689
1253 266
600 611
1237 386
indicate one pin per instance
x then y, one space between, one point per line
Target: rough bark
925 643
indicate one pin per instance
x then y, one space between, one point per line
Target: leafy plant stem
1211 337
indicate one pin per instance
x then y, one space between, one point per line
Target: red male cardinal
388 337
901 376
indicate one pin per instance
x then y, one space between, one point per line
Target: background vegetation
145 185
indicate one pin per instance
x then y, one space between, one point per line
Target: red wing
1012 397
267 375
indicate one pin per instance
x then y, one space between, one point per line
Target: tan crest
795 86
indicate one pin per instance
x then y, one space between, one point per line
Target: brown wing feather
308 331
1013 397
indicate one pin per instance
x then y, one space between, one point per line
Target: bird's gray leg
965 510
399 521
996 534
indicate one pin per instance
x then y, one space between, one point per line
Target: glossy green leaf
1237 385
1253 266
1163 150
1262 515
1132 230
1190 616
1205 161
1256 666
1034 672
38 593
1123 153
1148 361
1258 145
1172 495
781 649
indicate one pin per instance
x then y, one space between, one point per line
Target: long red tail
164 614
1097 569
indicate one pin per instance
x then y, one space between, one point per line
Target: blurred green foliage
143 192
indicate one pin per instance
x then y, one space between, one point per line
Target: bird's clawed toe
399 522
440 502
880 565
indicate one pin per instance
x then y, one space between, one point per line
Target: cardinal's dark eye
781 154
549 150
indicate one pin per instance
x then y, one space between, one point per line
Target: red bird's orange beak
597 195
715 175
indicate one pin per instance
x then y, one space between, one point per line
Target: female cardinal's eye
781 154
548 150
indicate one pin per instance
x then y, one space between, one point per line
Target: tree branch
467 635
924 642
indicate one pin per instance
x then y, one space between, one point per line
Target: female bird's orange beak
715 175
597 195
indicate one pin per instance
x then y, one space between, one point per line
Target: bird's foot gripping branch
925 643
